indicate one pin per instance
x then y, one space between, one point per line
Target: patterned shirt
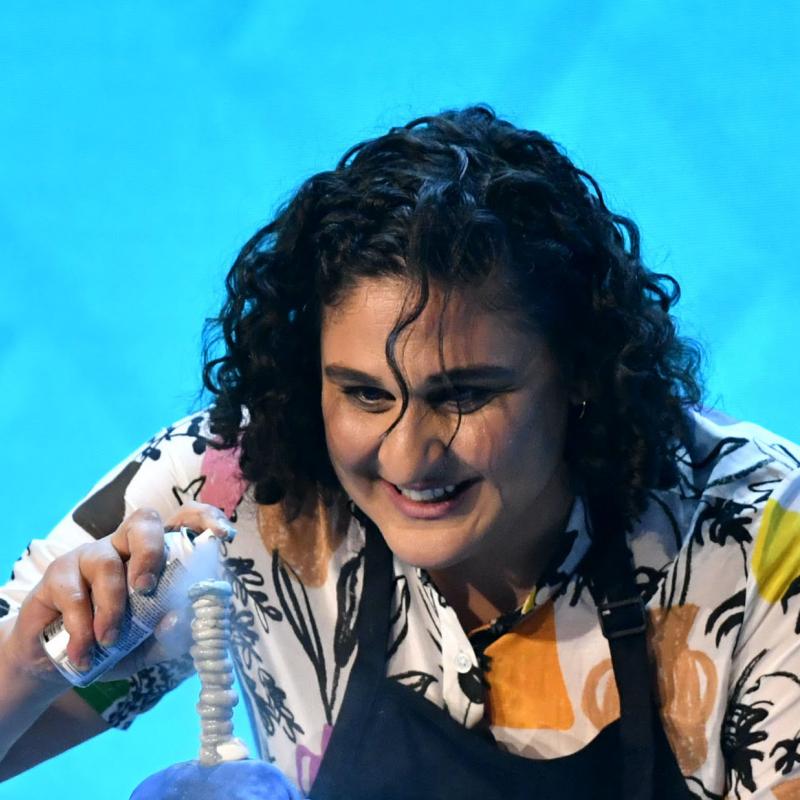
717 561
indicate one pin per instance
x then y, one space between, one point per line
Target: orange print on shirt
788 790
600 695
307 541
687 684
526 684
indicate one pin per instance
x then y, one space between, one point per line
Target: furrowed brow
482 373
489 373
336 372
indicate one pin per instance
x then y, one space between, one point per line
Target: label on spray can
142 613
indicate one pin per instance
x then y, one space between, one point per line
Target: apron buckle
620 618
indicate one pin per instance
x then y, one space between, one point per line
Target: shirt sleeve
761 727
163 474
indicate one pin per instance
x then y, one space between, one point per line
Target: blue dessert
230 780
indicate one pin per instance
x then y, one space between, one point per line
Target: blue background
141 144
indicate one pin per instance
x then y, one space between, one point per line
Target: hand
89 586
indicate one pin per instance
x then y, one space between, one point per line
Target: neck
499 577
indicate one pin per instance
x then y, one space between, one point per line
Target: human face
501 484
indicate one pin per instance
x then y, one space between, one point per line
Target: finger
140 541
69 594
103 570
36 612
200 517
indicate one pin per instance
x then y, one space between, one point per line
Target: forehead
462 325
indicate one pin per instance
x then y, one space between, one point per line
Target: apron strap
373 628
624 623
622 619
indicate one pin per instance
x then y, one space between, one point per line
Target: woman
453 424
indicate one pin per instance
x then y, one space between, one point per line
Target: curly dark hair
456 200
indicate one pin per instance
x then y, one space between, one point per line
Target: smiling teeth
426 495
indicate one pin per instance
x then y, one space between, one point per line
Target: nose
415 447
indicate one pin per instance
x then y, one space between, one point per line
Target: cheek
519 442
350 442
544 439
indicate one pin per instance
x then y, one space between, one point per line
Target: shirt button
463 663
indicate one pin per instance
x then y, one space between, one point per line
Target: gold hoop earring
583 409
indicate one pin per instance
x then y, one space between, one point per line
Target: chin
431 549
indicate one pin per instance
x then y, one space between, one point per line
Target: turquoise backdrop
141 144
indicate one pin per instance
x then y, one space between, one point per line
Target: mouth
431 495
429 502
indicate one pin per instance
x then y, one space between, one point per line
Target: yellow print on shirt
527 688
776 557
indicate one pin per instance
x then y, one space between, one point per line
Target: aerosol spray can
142 612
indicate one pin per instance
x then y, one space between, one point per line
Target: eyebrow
477 372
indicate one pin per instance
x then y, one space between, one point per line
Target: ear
578 392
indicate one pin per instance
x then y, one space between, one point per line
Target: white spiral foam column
211 630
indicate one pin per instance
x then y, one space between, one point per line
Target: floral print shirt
717 561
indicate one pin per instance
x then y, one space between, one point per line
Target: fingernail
224 530
109 637
145 583
83 663
230 532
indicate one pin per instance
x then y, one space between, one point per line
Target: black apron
389 742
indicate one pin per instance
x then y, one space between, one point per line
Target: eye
370 398
464 399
